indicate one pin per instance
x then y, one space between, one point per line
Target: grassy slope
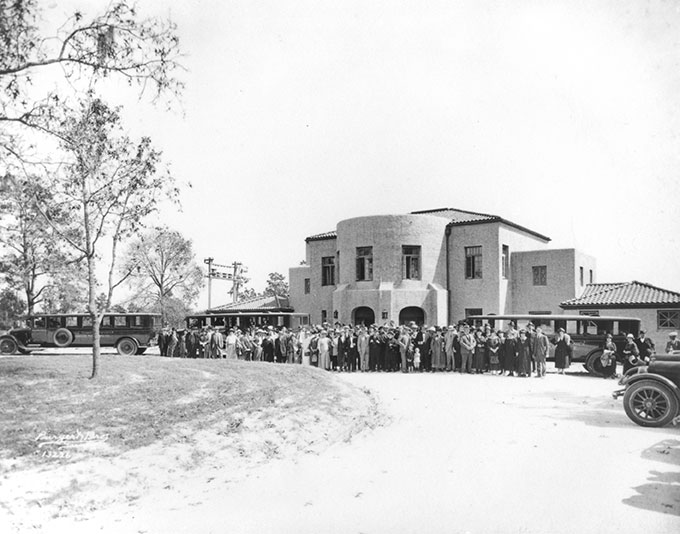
141 400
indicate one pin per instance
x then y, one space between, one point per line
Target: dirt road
460 454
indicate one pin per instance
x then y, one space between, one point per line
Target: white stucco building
433 267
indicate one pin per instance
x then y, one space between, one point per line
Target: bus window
86 322
629 327
560 324
53 322
71 321
119 320
38 322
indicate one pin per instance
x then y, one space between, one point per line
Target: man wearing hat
631 354
673 343
645 346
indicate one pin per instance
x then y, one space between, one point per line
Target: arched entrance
412 313
363 315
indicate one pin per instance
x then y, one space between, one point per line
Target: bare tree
164 266
109 186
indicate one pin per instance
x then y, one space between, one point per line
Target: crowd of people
407 348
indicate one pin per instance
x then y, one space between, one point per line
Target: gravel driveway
461 454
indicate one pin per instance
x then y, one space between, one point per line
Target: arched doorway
363 315
412 313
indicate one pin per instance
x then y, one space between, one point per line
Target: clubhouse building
433 267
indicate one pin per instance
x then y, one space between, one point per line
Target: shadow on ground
662 491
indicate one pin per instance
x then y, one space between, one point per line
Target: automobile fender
656 378
20 346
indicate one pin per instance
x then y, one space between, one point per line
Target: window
72 320
328 271
539 322
384 314
364 263
119 320
473 262
668 319
324 316
505 262
590 277
307 286
410 263
581 274
474 311
540 273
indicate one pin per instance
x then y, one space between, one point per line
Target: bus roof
81 314
529 317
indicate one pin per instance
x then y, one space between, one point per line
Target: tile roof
462 217
624 294
267 303
457 217
321 237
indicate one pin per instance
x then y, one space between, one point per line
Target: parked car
651 393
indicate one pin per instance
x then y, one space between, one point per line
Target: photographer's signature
56 445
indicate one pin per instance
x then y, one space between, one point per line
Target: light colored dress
231 344
324 353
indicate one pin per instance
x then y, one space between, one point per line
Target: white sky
561 116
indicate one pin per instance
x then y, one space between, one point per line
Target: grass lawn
139 400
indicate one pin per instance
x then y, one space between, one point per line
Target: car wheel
594 364
650 403
8 346
63 337
126 346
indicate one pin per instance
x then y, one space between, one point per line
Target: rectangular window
364 263
540 273
591 276
119 320
505 262
410 263
668 319
581 274
328 271
474 311
473 262
71 321
307 286
540 322
324 316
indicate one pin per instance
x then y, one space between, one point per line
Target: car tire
63 337
650 403
126 346
594 364
8 346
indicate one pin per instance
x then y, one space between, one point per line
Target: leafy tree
117 42
30 261
164 267
67 295
276 285
12 307
108 186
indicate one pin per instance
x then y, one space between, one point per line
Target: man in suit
645 346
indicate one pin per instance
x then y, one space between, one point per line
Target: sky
561 116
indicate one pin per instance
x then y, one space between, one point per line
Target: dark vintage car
651 393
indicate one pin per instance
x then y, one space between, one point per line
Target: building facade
433 267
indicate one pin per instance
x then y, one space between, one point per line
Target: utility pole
208 262
233 272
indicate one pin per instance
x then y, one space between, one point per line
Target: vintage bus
130 333
587 332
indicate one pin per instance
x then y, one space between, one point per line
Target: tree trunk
96 348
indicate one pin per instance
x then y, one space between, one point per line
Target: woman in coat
437 352
523 355
562 351
493 344
480 351
509 353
